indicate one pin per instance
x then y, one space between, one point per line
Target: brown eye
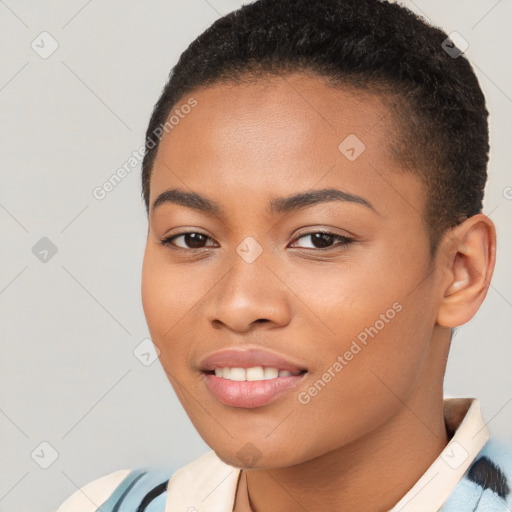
325 240
191 240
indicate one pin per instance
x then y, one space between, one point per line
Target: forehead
277 134
285 113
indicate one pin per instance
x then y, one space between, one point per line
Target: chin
249 456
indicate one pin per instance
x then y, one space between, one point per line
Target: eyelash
345 241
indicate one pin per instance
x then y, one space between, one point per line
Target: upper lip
248 358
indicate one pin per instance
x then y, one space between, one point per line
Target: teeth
251 374
255 373
236 374
270 373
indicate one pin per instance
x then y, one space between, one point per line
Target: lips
249 358
250 378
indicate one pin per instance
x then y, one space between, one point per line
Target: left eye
319 240
325 240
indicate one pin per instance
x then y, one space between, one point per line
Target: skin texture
378 424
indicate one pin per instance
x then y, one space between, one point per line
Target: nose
249 295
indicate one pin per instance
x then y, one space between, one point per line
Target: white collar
432 490
207 483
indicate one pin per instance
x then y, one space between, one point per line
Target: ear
468 255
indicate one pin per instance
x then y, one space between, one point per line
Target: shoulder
487 484
95 493
492 468
150 489
124 490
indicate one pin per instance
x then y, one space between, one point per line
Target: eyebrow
278 205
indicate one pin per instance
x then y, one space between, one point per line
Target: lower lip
250 394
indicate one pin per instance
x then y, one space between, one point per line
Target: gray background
69 326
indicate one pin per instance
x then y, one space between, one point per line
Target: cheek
160 294
376 338
377 358
165 288
169 296
360 384
152 292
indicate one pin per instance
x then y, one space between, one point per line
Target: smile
253 374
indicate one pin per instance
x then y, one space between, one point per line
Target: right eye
191 239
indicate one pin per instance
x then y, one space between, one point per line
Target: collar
470 433
208 483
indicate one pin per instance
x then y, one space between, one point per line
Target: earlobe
470 250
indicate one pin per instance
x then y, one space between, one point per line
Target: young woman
314 176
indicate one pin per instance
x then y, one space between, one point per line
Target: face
323 300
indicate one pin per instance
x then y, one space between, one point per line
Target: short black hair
381 47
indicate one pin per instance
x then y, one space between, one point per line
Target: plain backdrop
74 366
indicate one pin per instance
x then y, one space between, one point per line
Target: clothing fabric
473 473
